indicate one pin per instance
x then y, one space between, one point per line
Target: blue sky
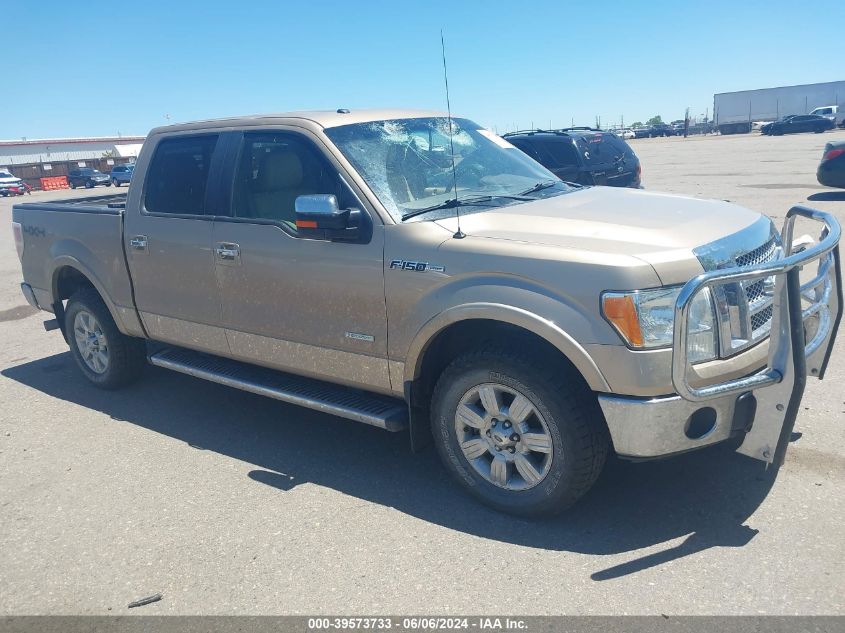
102 68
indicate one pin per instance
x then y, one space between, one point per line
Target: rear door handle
138 242
228 252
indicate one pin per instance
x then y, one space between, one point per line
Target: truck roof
323 118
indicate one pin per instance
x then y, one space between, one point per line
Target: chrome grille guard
777 388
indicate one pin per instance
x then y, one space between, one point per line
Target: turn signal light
621 311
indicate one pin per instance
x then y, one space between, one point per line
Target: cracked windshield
408 164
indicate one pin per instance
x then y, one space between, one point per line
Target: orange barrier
53 183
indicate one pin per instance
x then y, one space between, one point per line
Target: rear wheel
115 183
525 440
108 358
72 185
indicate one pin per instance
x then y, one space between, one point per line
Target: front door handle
227 251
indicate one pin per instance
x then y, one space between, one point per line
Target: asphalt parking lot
226 502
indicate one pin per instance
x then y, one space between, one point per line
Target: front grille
743 309
761 320
755 291
760 255
759 305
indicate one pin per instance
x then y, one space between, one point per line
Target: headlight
645 319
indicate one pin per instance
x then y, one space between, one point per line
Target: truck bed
83 235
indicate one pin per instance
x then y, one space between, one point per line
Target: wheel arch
519 318
68 276
462 328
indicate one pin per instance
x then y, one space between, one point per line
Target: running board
381 411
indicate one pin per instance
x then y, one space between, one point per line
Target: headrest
279 170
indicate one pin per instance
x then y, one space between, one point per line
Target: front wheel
108 358
115 183
525 440
73 185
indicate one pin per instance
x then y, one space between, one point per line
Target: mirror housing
319 217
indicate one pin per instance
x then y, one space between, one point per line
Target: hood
660 229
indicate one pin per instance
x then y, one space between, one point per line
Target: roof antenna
458 234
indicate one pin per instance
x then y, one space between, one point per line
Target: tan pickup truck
412 271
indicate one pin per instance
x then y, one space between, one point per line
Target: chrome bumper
764 405
29 294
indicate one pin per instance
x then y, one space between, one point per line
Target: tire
108 184
72 185
115 183
569 437
125 356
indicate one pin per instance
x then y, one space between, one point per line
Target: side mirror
318 217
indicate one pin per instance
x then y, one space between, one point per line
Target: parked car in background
627 134
121 174
642 132
11 185
662 129
585 156
831 171
795 123
829 112
87 177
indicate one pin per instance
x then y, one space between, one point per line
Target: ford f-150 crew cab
415 271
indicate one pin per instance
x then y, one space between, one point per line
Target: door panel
304 305
175 287
307 306
169 248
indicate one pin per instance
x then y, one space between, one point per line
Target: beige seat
277 186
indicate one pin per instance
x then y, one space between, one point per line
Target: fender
519 317
62 261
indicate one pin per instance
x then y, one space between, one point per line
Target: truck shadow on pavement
705 496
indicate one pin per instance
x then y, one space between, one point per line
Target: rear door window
557 153
528 148
177 178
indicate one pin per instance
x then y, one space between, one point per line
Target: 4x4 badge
420 267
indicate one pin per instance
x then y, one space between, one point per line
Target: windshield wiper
461 202
539 186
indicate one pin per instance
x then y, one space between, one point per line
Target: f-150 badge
420 267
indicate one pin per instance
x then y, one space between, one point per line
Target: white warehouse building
34 159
